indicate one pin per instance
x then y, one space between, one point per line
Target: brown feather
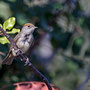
9 59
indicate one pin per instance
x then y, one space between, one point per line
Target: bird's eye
29 26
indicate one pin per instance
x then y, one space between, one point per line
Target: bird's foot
15 52
27 61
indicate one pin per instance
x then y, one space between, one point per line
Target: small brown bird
23 41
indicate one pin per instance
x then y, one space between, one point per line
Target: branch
26 59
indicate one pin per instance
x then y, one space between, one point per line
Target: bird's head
28 28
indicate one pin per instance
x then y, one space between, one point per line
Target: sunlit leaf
0 25
8 24
13 31
4 40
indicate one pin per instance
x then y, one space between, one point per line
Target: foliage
7 26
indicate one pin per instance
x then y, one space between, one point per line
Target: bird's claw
15 52
26 62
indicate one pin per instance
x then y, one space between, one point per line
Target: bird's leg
27 60
15 52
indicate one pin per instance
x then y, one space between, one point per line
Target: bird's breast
23 43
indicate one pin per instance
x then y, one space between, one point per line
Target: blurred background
61 49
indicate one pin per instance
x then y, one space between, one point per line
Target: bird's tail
9 59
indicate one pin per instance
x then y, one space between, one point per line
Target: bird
23 41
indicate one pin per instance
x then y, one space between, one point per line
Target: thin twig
25 60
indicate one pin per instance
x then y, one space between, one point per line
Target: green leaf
4 40
14 30
1 25
8 24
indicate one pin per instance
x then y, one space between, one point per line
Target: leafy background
61 49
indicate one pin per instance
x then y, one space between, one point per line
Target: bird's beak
36 27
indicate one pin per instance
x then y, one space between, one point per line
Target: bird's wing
17 36
15 40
